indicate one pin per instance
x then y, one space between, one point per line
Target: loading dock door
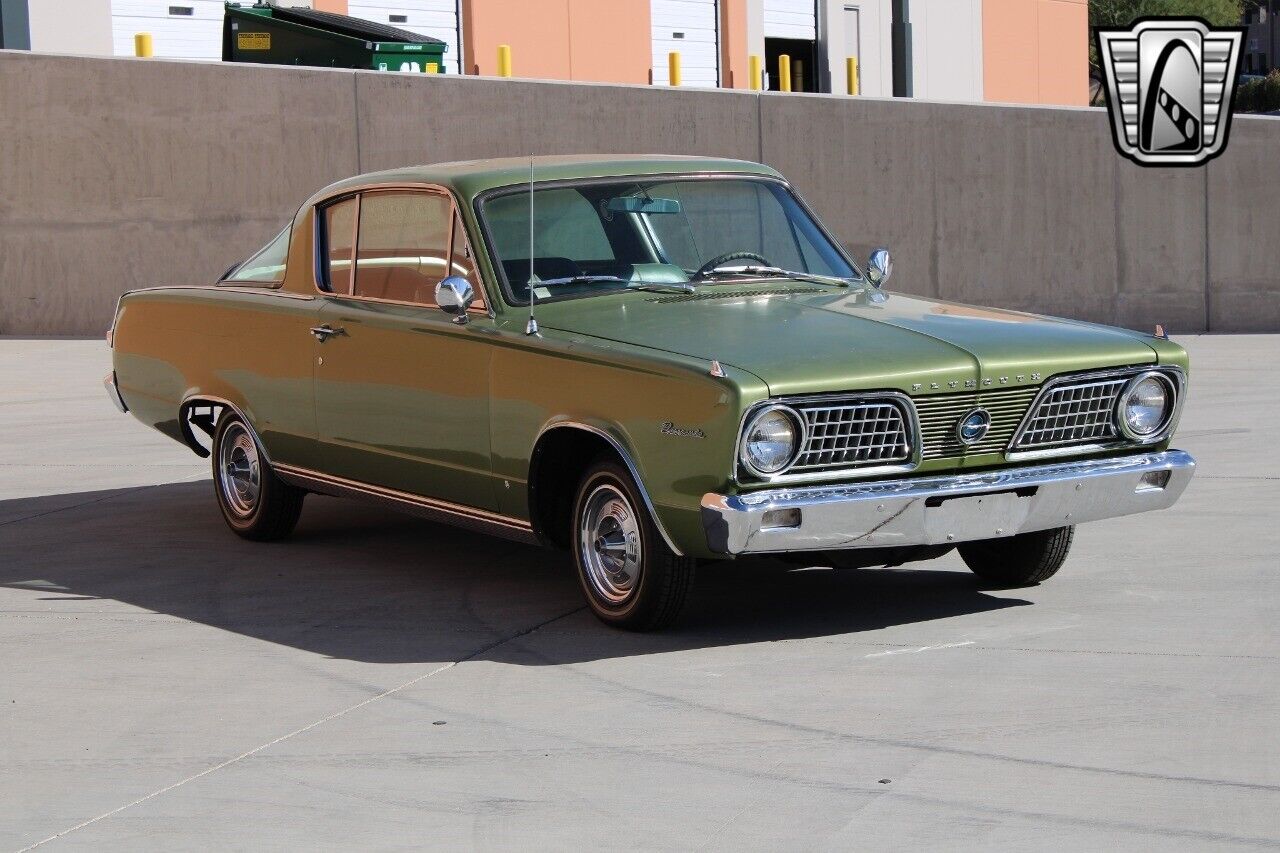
180 29
689 27
790 19
791 28
435 18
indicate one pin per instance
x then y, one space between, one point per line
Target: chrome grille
860 432
939 415
1073 414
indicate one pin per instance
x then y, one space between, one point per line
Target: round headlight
770 440
1145 406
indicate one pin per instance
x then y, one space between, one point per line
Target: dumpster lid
344 24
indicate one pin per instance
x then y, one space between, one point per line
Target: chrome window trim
837 473
626 460
1175 374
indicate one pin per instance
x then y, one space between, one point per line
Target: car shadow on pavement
364 584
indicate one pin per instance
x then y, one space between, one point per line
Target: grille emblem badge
973 427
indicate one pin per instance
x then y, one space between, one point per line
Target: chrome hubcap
238 470
609 544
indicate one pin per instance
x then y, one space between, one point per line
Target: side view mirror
454 296
879 267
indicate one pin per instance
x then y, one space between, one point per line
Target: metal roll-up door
690 28
435 18
180 29
790 19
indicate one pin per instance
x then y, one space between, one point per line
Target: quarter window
402 251
462 262
267 266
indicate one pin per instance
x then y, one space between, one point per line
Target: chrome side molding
470 518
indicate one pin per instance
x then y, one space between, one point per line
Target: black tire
272 512
1023 560
661 580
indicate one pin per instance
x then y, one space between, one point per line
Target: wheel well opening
198 419
560 459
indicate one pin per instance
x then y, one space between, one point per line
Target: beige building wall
946 48
1036 51
80 27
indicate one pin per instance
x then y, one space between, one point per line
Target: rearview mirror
455 296
643 204
879 267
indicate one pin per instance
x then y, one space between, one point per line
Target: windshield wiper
779 272
662 286
579 279
656 286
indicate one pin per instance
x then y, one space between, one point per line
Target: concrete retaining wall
122 173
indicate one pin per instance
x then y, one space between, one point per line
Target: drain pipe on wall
903 83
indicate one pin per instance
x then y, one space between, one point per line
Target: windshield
593 238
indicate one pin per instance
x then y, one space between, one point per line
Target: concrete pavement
382 682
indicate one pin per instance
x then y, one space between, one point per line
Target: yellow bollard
851 74
142 45
784 73
673 67
753 71
504 60
432 68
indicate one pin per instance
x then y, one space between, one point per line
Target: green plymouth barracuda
649 361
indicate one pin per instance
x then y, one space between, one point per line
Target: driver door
402 391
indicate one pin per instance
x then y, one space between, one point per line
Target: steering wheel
730 256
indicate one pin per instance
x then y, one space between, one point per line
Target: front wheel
255 502
1022 560
630 577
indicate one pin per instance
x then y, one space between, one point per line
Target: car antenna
532 327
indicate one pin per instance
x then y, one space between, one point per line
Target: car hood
800 338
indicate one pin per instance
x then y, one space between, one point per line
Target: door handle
323 333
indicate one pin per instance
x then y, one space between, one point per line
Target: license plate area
963 518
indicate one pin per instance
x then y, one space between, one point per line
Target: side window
403 245
267 266
339 228
462 261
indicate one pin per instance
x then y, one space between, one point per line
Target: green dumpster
275 35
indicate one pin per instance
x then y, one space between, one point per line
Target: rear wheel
630 577
1023 560
255 503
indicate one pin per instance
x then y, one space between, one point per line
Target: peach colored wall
337 7
733 45
1036 51
584 40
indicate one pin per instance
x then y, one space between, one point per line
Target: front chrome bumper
942 510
